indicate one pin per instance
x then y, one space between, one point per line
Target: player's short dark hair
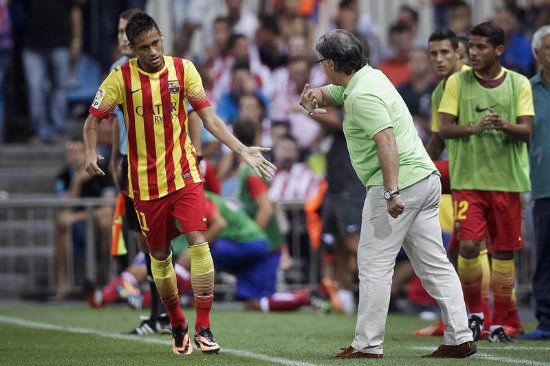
245 130
129 13
138 24
443 34
463 40
490 30
342 47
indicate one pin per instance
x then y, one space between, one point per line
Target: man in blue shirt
539 160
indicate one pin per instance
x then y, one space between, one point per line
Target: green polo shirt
371 104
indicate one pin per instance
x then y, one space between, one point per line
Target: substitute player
163 178
487 112
447 58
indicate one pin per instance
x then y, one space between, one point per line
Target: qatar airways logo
156 113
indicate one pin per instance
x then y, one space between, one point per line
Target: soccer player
240 247
164 179
446 58
158 320
487 113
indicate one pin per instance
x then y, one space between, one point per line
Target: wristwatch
389 195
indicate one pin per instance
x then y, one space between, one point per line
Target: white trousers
419 231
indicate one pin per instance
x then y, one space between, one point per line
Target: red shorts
443 167
157 217
489 214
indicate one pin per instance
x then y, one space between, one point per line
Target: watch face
387 195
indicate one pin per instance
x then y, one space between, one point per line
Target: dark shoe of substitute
350 352
475 323
163 324
147 326
462 350
498 335
181 344
205 341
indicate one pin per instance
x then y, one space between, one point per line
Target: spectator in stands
75 182
517 55
417 92
241 22
294 180
459 15
272 49
409 16
239 48
242 82
285 103
6 43
397 68
52 45
539 159
347 17
219 51
293 23
188 17
253 108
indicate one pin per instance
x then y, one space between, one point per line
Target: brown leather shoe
462 350
350 352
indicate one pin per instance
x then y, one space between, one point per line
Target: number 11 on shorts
142 221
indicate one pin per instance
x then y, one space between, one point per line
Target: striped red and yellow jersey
161 158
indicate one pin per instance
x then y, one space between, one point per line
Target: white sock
481 315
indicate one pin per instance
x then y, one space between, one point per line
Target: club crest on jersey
98 98
174 86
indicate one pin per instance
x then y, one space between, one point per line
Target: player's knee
469 248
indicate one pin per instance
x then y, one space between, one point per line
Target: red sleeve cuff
98 113
256 186
201 105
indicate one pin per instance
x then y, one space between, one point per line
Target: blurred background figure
52 48
6 44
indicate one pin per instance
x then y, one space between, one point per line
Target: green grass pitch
74 334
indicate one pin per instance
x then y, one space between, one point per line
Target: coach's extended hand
253 156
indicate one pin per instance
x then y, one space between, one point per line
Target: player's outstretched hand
308 100
253 156
91 164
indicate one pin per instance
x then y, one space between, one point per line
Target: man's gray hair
538 36
342 47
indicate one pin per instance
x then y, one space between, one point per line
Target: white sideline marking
488 357
127 337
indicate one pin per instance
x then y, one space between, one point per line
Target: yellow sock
485 278
502 283
165 279
202 281
470 271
